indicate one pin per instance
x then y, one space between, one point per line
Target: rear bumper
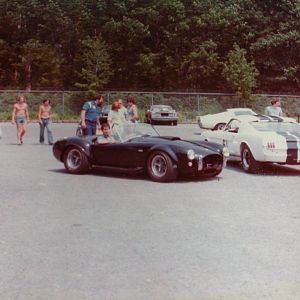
164 119
286 156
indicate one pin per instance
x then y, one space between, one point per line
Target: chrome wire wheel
159 165
74 159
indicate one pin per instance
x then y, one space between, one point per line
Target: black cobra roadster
139 147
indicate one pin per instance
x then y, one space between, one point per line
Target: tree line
182 45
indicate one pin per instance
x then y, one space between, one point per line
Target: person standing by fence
90 114
274 109
20 117
45 120
115 115
132 110
122 109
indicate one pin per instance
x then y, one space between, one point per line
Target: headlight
190 154
225 152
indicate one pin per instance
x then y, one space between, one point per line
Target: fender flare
84 149
165 149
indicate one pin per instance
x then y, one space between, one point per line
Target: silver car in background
161 114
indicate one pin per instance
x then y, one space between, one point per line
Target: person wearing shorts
20 117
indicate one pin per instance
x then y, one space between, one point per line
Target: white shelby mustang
219 120
255 140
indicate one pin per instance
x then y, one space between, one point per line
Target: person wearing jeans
90 114
45 120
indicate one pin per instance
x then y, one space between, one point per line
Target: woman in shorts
20 117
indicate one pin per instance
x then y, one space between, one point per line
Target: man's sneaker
19 143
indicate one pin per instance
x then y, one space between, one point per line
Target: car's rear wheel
249 163
160 167
75 161
220 126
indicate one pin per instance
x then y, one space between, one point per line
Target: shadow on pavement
266 169
134 176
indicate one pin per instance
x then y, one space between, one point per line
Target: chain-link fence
67 104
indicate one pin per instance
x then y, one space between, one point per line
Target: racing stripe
292 142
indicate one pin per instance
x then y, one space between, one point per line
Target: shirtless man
20 117
45 120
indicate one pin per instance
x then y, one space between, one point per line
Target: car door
105 154
230 137
133 153
129 154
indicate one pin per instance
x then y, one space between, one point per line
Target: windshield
161 107
128 131
244 112
276 126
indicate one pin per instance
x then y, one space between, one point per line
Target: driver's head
105 129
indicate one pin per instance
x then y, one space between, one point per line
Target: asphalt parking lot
113 236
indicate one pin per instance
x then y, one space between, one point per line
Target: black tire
219 126
250 165
160 167
75 161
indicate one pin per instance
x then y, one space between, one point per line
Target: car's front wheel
160 167
249 163
75 161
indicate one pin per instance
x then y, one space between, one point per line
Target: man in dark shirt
90 114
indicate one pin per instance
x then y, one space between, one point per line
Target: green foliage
95 63
240 74
159 44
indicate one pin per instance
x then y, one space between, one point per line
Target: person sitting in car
106 137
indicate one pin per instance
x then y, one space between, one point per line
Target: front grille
164 114
212 163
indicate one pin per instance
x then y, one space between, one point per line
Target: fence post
63 107
152 98
198 102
